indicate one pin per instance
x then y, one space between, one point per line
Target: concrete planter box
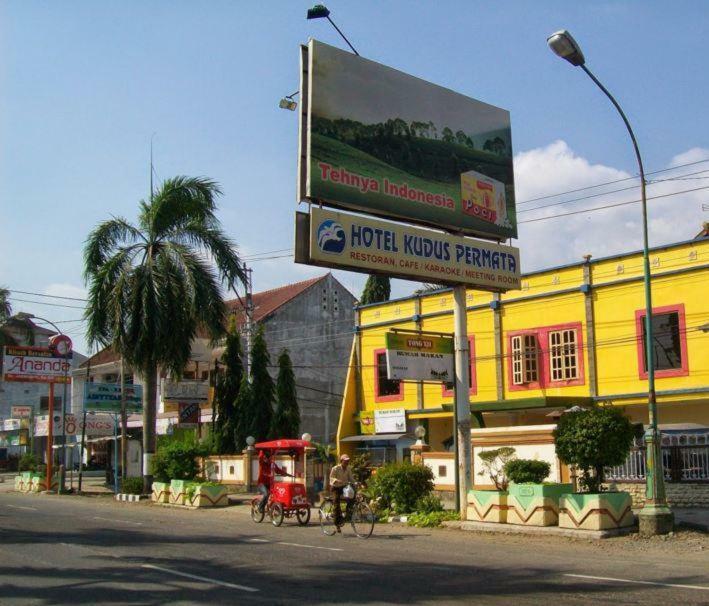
487 506
161 492
19 483
535 504
178 492
205 495
603 511
38 482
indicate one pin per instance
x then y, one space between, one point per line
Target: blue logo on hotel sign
331 237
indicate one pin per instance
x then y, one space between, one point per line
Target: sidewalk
696 518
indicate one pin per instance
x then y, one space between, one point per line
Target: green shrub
361 467
399 485
527 471
178 460
493 465
593 440
132 485
28 462
431 520
429 504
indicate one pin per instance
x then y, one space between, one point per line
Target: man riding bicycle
340 476
266 469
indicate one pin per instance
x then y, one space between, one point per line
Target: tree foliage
399 486
286 420
151 285
593 440
376 290
5 306
178 459
243 427
226 392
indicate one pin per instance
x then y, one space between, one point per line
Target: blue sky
84 85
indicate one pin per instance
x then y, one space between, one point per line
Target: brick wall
678 495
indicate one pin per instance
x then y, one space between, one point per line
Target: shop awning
376 437
527 403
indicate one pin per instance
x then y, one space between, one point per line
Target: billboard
380 141
21 412
106 397
419 358
185 391
36 365
331 239
96 425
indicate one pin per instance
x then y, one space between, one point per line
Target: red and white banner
35 365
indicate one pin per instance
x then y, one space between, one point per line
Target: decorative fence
685 463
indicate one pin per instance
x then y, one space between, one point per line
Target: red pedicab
285 499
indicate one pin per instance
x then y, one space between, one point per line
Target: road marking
259 540
21 507
675 585
309 546
122 521
199 578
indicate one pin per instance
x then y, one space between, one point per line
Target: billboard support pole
124 422
83 449
50 435
462 401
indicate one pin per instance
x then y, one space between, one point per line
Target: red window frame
473 390
670 372
541 333
393 397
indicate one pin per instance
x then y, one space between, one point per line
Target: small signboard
96 425
106 397
331 239
390 421
36 365
188 415
419 358
21 412
366 422
185 391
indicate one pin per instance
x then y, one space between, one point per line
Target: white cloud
556 168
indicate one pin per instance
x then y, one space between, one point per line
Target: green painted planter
603 511
38 482
487 506
19 484
161 492
535 504
205 495
178 492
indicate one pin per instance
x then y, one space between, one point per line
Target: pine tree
258 414
226 391
376 290
286 421
243 422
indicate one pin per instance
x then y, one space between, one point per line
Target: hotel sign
368 245
106 397
36 365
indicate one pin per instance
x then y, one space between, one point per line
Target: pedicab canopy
283 445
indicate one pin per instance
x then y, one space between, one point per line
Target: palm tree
151 285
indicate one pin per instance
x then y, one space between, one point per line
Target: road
80 550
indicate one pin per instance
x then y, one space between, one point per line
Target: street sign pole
83 448
462 400
115 453
62 467
50 436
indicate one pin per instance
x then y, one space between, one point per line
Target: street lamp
320 11
62 485
288 102
656 517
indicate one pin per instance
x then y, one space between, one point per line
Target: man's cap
344 457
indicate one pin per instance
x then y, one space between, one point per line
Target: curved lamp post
656 517
320 11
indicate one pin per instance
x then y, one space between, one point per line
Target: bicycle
361 516
277 512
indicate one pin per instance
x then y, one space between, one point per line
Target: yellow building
572 335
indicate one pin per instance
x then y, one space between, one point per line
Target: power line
45 303
39 294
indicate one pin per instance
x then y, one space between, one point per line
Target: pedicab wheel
303 516
256 514
326 513
362 520
277 514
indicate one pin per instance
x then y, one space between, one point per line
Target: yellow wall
553 297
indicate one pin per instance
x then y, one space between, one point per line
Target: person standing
340 476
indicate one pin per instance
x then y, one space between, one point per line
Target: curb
129 498
541 530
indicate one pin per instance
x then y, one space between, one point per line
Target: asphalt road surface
79 550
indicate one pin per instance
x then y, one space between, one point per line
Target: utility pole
124 423
462 399
249 312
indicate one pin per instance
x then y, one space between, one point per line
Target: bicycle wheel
303 516
256 514
362 520
277 514
326 513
